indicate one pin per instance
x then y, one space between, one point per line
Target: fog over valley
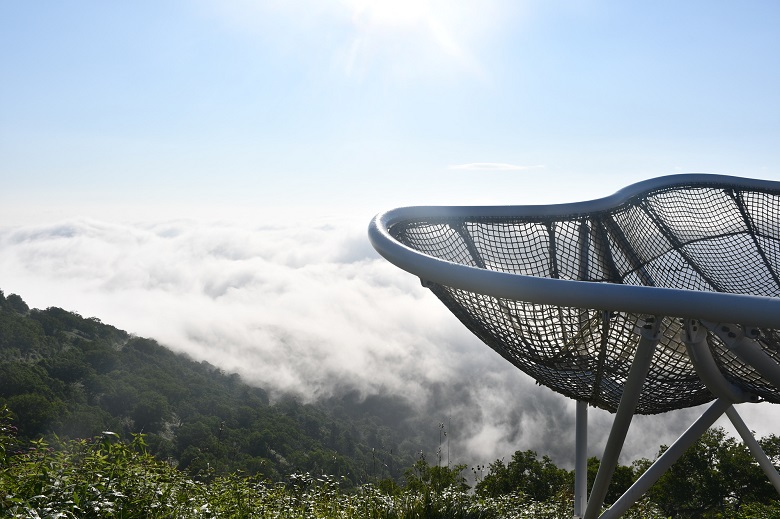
310 310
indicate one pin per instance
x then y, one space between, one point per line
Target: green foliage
526 473
192 441
73 377
423 478
106 477
622 479
716 477
16 304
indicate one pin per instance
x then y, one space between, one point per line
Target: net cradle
553 289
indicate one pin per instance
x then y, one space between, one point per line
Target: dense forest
88 410
74 377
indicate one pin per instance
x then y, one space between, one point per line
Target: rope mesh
706 237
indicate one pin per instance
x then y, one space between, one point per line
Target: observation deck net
706 237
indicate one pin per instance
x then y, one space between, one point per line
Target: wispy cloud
494 166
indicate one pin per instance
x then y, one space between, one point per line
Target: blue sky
356 105
150 151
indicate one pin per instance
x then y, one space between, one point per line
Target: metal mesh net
705 237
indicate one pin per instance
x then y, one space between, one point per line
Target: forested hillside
63 374
91 416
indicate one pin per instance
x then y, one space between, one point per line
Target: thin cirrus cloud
494 166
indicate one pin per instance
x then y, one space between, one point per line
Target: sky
203 172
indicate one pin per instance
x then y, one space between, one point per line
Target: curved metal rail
559 290
662 296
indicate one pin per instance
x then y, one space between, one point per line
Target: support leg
755 448
695 339
667 459
710 374
748 349
581 461
625 412
707 370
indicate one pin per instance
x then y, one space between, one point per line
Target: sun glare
390 13
401 38
410 37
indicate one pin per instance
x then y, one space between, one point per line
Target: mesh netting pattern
708 237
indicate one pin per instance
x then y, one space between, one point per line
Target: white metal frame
704 312
707 306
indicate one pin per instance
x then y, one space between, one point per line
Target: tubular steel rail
663 296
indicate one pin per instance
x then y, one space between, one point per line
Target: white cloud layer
310 310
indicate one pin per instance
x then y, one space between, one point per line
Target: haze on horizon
203 172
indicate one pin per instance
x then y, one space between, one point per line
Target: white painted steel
755 449
625 413
748 351
581 460
695 339
667 459
706 306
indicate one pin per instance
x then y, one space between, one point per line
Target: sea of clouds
312 310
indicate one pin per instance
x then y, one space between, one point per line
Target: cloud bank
308 310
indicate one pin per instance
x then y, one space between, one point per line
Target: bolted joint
694 332
730 334
649 327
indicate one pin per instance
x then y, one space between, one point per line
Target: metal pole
695 339
748 350
648 340
667 459
754 447
581 460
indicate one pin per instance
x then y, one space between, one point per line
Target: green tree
19 378
622 479
150 411
424 478
32 413
538 479
713 478
69 365
17 304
